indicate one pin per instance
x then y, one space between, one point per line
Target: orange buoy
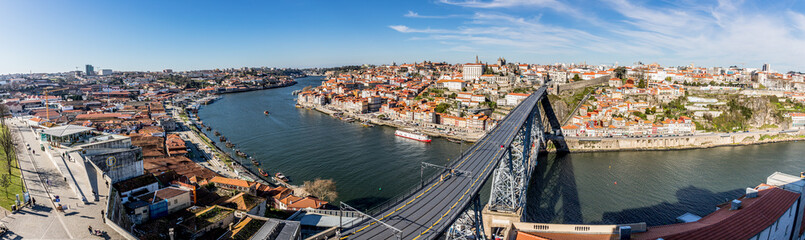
616 182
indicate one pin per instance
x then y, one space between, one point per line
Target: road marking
422 193
494 158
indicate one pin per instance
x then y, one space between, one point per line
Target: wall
119 164
581 84
683 142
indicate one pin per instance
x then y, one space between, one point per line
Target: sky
59 36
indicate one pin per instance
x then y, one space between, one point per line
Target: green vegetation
733 119
620 72
276 213
521 90
576 78
12 176
442 107
769 126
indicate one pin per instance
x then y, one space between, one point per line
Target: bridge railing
380 208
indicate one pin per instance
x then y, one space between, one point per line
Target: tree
641 83
620 72
5 182
4 113
7 145
441 108
576 78
322 188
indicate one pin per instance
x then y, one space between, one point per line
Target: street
44 182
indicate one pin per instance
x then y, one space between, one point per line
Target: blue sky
53 36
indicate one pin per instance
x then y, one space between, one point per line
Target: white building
105 72
512 99
473 71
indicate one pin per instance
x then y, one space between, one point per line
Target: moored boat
413 135
262 172
265 112
281 177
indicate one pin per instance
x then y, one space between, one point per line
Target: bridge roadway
427 213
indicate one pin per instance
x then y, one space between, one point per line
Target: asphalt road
431 210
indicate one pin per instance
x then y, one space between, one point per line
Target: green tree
576 78
620 72
642 83
5 182
442 107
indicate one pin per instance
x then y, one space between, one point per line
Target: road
44 181
430 211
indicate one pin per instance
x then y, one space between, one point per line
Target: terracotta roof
755 215
563 236
168 193
230 181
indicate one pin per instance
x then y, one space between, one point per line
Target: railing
377 209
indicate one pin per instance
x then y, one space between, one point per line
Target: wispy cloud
412 14
722 32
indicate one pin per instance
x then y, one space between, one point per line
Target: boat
281 177
265 112
367 124
222 139
414 135
209 128
229 145
216 133
256 163
455 140
262 172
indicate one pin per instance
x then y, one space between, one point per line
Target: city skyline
146 36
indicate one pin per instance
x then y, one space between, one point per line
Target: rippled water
370 165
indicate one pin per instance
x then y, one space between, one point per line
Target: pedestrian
33 200
103 217
90 229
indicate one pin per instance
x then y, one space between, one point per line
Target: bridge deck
433 208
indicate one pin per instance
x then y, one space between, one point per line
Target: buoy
616 182
379 189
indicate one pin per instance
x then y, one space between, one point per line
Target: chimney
751 193
625 232
736 204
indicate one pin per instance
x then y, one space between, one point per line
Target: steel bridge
448 204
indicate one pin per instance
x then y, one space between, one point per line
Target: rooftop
66 130
755 215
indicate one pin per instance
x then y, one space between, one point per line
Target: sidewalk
43 222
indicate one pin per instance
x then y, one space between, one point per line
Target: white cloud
718 34
412 14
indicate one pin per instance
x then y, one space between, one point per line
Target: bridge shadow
552 196
689 199
366 202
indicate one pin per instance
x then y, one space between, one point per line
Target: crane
47 102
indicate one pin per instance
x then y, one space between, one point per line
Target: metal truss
510 178
469 225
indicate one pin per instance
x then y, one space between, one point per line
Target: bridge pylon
507 200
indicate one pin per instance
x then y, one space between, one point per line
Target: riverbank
682 142
430 131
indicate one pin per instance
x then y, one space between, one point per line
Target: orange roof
755 215
232 182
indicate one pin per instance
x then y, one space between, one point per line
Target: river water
370 165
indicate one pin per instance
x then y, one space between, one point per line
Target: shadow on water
366 202
689 199
552 194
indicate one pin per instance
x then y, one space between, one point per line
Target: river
370 165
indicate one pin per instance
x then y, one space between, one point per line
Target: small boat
209 128
367 124
454 140
229 145
256 163
265 112
413 135
281 177
222 139
262 172
216 133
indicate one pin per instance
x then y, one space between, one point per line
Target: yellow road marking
494 158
